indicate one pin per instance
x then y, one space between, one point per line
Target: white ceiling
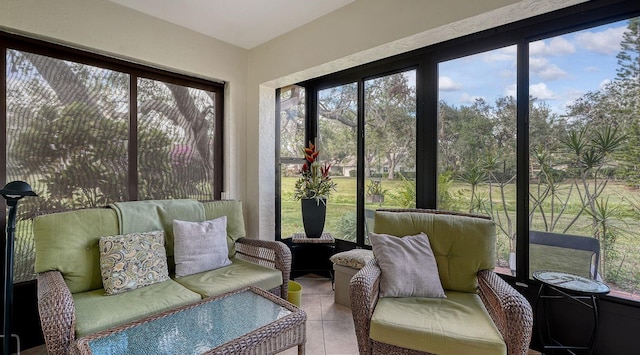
244 23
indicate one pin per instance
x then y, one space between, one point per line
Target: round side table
575 288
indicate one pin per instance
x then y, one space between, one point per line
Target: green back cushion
68 242
462 245
235 219
150 215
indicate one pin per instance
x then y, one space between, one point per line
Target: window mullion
132 179
522 162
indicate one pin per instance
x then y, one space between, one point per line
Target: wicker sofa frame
509 310
57 311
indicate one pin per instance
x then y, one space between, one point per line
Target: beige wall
361 32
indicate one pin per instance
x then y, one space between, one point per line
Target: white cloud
511 90
545 70
507 74
558 46
604 83
541 91
499 56
445 83
469 99
592 69
570 97
603 42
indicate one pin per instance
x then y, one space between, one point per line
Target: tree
628 93
337 109
69 124
92 98
292 121
628 71
390 121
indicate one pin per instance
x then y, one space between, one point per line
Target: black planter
313 214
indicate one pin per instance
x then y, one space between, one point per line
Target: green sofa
481 315
71 299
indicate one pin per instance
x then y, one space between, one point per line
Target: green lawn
622 266
340 205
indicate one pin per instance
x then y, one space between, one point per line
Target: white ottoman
345 265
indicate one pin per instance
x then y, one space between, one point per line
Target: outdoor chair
574 254
481 313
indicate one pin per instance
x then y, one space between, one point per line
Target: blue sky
561 69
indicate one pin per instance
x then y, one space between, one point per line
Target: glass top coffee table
247 321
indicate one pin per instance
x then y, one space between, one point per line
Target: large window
477 142
389 143
291 137
534 124
584 153
381 174
176 127
86 135
337 127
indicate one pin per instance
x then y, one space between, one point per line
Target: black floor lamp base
12 192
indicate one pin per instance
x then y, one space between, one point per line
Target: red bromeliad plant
315 182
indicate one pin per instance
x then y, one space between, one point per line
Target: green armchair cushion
68 242
458 324
462 245
96 312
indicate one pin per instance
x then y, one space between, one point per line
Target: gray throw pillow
408 266
200 246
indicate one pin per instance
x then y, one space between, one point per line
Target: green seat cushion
95 311
68 242
462 245
458 324
239 274
235 219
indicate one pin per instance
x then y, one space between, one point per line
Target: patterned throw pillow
132 260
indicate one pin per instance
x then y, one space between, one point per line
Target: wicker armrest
275 255
57 312
363 294
510 311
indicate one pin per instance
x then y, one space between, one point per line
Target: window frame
425 61
11 41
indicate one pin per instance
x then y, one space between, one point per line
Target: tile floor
330 328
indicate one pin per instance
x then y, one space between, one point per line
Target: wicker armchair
510 311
